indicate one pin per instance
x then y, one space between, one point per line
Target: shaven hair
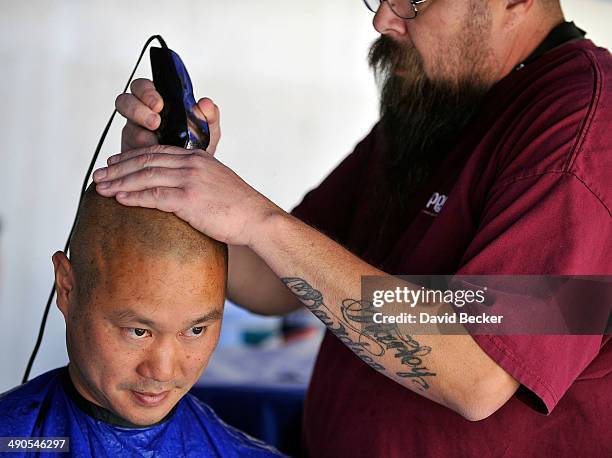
105 228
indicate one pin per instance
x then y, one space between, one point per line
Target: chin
147 409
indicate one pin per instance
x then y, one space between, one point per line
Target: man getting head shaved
142 296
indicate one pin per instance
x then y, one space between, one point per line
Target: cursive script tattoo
373 340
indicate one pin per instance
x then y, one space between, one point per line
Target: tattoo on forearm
373 339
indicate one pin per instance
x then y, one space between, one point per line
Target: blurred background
295 94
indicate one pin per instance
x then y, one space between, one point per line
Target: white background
290 77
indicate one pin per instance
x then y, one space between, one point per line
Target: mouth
150 399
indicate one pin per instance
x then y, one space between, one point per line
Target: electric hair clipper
179 124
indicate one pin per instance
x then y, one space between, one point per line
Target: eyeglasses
405 9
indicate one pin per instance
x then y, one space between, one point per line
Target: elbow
477 412
486 397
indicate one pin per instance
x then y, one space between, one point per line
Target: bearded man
492 156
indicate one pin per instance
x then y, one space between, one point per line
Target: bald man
142 297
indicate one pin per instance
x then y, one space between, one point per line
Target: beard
422 118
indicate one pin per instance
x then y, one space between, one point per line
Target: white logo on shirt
436 202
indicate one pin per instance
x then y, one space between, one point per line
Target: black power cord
43 322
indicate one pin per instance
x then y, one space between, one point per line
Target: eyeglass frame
413 3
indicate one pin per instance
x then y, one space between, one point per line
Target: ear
64 282
519 7
514 12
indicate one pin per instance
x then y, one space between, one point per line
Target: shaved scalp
106 229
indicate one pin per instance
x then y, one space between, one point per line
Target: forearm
450 370
254 286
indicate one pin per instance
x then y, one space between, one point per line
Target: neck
79 385
525 39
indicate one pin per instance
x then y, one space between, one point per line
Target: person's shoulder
21 406
558 118
579 63
590 158
581 108
584 54
571 79
234 441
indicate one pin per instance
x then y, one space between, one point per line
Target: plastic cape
43 408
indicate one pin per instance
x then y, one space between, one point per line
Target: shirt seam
588 120
516 178
579 141
503 348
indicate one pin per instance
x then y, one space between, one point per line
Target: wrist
273 222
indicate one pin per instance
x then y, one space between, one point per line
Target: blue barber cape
44 407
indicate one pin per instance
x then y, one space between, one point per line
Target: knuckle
145 160
149 172
156 149
200 162
192 160
157 193
187 173
149 96
189 190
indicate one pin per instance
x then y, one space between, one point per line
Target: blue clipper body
179 124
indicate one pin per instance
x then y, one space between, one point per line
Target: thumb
206 110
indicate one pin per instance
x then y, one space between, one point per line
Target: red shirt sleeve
548 223
549 213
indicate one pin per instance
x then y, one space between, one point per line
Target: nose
160 362
386 22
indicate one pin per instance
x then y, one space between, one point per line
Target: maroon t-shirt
526 190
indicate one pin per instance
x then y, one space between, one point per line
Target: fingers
210 112
141 109
140 162
148 178
162 198
146 93
142 106
130 107
125 155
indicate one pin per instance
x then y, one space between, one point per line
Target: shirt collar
564 32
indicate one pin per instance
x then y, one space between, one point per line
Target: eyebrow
130 315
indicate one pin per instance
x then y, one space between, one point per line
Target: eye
195 331
137 333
